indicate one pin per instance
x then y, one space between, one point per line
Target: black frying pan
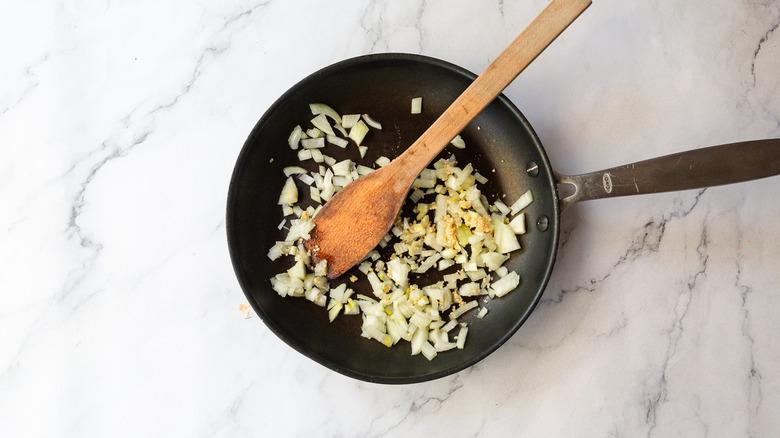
500 144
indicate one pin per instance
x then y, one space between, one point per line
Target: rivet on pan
532 168
542 223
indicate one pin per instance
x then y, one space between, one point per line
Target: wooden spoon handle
553 20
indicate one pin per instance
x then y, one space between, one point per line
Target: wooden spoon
354 221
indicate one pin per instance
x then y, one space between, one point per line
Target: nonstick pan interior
500 145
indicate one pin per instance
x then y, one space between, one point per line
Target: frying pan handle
698 168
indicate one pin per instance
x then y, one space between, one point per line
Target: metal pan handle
706 167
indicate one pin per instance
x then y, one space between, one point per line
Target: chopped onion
450 226
418 338
313 143
428 351
522 202
505 285
458 142
518 224
289 195
505 238
363 170
338 141
295 137
343 168
358 132
293 170
417 105
464 330
321 123
334 307
463 309
493 260
349 120
321 108
276 251
382 161
371 122
501 207
340 129
314 192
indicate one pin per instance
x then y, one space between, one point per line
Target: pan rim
231 207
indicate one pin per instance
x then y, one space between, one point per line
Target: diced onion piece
351 307
297 271
518 224
371 122
418 338
399 272
314 192
493 260
276 251
522 202
321 269
445 263
428 351
299 228
464 330
382 161
460 231
349 120
363 170
358 132
469 290
501 207
417 105
321 123
340 129
482 312
334 307
293 170
505 238
321 108
463 309
289 194
313 143
449 326
338 141
295 137
343 168
458 142
505 285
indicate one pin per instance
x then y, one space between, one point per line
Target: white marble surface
120 122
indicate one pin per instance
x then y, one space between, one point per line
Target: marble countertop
120 123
